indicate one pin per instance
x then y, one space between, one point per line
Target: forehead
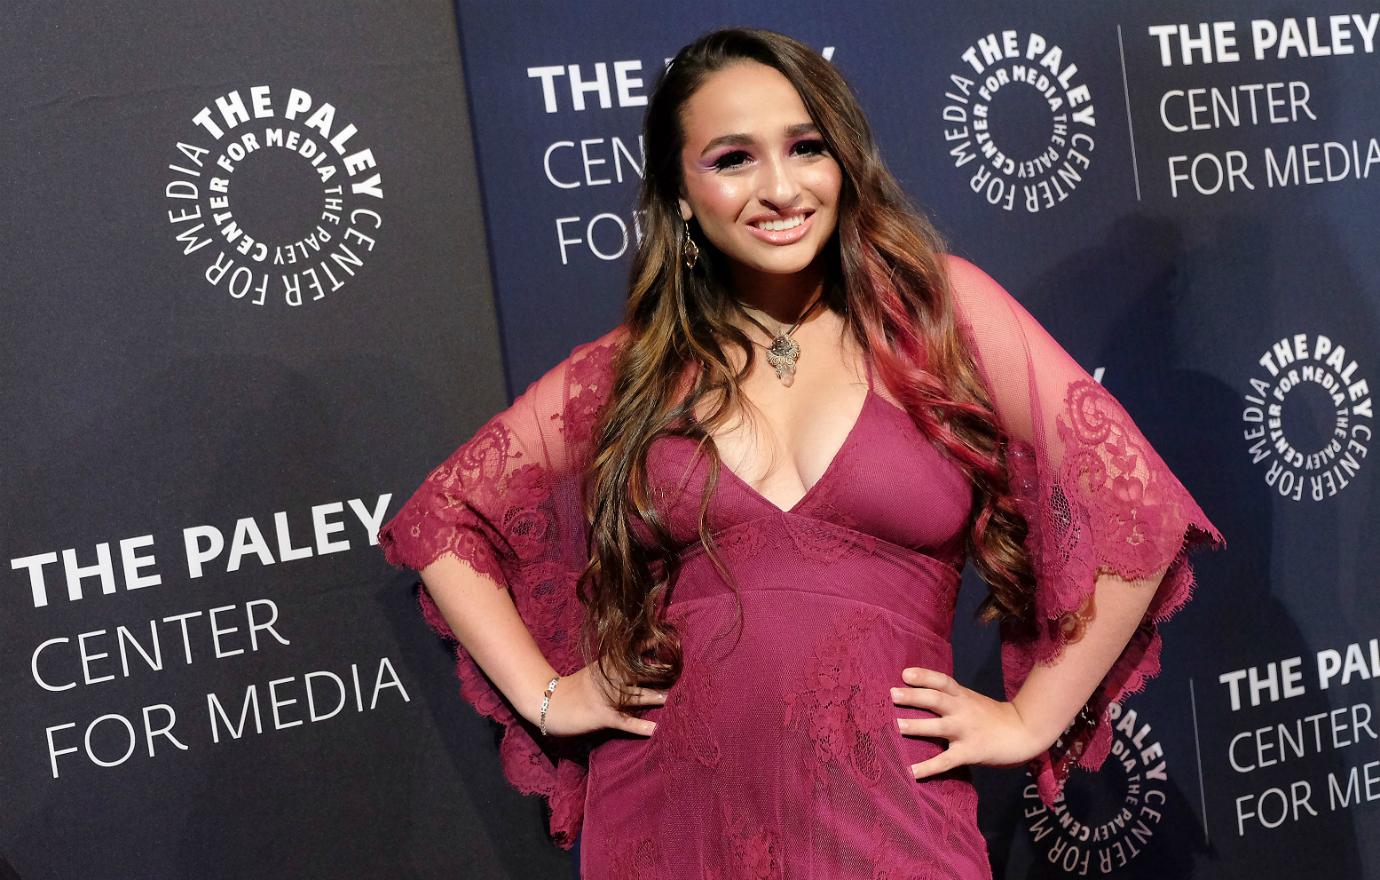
746 97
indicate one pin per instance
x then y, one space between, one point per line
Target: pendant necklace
784 351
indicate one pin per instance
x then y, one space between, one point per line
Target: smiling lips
784 230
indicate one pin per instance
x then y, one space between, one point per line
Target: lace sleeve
1096 497
507 503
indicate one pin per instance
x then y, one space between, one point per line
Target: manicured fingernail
896 693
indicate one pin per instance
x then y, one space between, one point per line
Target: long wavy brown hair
885 277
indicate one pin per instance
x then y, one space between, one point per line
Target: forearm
1052 694
486 623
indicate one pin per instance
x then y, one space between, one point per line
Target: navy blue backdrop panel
246 307
1184 195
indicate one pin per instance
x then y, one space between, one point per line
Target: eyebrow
742 140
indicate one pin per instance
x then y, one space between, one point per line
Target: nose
779 188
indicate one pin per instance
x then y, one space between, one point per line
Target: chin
784 266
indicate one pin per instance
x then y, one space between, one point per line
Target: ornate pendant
782 355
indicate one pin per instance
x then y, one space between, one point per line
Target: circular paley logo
1019 121
1308 417
273 198
1124 824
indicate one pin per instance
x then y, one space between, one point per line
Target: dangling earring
690 251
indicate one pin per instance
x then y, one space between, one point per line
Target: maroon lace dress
777 754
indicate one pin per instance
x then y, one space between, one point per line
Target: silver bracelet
546 701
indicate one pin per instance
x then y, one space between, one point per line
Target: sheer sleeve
507 503
1096 497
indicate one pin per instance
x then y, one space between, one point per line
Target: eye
730 160
811 147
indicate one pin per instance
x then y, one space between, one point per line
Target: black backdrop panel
320 334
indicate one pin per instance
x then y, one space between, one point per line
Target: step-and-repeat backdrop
268 263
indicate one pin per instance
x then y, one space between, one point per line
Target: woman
732 528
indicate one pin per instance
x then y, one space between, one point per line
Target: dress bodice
887 481
786 704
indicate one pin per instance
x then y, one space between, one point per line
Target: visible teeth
778 225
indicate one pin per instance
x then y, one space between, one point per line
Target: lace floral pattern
960 796
889 863
1111 506
844 720
742 542
1097 499
590 384
636 860
684 733
507 503
820 541
754 853
1116 483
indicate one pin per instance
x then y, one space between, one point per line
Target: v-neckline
828 469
